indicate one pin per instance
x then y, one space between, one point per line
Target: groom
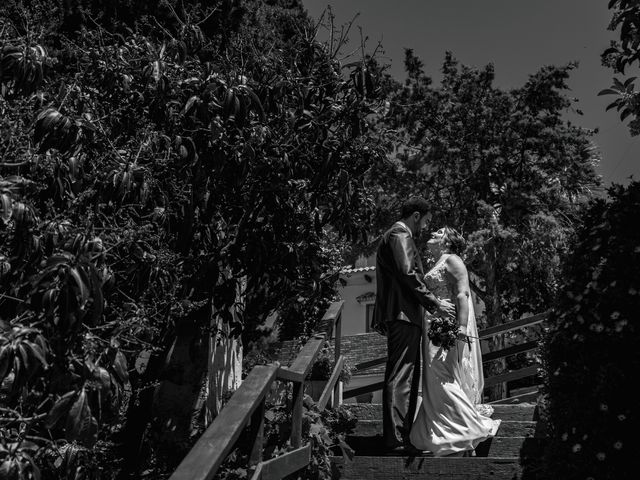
400 299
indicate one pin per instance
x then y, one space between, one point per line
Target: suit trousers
401 382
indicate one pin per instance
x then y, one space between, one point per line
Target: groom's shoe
406 450
412 451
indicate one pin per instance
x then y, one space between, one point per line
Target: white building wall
354 312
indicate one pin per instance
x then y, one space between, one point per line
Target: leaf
98 299
9 468
612 105
142 361
625 113
6 359
81 426
59 409
189 104
6 208
629 81
347 451
608 91
617 84
37 352
55 260
24 356
120 367
82 286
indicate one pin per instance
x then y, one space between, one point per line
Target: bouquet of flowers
443 332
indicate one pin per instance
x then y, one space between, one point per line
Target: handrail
213 446
509 376
246 408
513 350
303 362
483 335
514 324
370 363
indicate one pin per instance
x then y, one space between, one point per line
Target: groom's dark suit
400 299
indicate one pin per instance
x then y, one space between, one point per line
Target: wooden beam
370 363
285 374
296 414
286 464
509 376
506 327
354 392
331 316
213 446
305 358
257 432
515 349
326 393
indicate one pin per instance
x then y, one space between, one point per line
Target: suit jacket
401 292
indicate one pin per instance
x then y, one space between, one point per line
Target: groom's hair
414 204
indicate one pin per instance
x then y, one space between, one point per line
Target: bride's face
436 242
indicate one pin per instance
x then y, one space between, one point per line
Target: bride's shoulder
454 262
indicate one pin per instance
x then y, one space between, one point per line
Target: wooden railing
485 334
246 408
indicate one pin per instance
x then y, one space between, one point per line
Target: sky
518 37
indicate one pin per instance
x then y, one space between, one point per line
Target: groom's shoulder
397 229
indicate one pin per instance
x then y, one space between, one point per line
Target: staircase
511 454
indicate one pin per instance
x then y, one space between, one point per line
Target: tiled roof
356 349
368 268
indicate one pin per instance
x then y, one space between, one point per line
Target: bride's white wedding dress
451 418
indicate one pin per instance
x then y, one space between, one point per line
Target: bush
591 348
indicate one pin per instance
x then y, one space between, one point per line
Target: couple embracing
448 417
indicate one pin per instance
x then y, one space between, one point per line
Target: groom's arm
404 251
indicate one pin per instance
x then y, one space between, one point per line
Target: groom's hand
446 309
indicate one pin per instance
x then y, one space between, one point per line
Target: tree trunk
224 370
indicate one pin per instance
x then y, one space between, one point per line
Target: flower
443 332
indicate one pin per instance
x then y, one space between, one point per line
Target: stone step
508 428
416 468
515 412
510 447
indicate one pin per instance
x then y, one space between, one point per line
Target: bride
451 419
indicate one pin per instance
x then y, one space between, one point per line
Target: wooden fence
502 378
246 408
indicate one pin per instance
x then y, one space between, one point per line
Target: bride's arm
460 279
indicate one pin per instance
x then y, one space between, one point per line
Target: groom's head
415 213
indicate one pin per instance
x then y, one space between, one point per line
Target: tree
621 55
158 159
590 350
503 167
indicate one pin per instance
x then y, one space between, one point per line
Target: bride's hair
454 241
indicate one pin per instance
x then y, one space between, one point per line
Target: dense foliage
503 167
157 158
591 351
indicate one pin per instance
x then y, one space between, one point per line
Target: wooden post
336 398
257 432
296 414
